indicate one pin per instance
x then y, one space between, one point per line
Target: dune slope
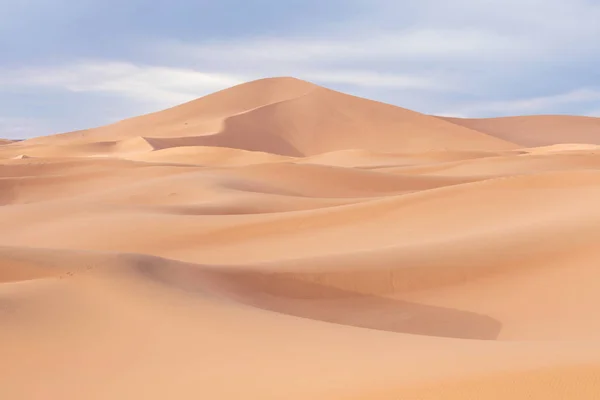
288 117
537 130
282 240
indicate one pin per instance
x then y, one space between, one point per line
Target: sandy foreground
279 240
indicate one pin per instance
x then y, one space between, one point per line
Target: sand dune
282 240
534 161
365 159
201 116
291 117
537 130
324 121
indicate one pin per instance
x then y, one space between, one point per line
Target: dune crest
281 240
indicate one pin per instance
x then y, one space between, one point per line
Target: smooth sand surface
279 240
537 130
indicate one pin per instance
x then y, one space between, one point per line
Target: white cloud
376 46
160 86
427 55
527 105
466 47
452 115
511 31
374 79
547 24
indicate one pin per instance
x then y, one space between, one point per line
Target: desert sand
280 240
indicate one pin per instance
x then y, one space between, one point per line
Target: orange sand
280 240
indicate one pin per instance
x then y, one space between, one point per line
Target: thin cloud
528 105
373 79
378 46
166 86
432 55
161 86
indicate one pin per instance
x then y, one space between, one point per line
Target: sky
74 64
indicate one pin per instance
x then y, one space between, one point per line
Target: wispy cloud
377 46
373 79
527 105
466 58
430 31
160 86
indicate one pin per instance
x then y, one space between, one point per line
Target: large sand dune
280 240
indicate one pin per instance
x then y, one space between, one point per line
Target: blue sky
73 64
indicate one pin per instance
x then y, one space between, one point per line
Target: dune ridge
279 239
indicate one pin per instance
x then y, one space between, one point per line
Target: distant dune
537 130
280 240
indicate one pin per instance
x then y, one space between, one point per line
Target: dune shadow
280 293
325 303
